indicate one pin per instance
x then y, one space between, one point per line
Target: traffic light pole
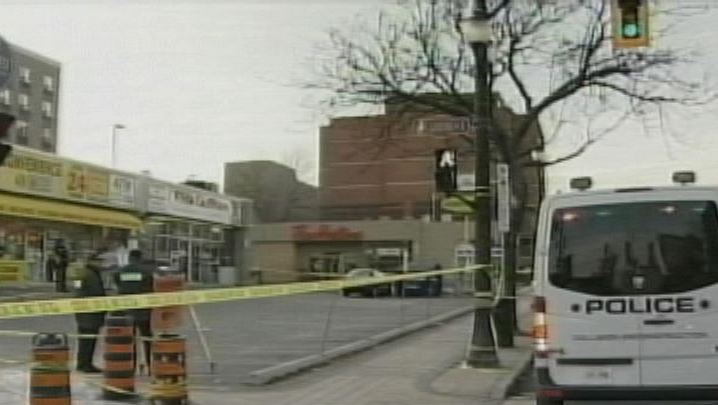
482 352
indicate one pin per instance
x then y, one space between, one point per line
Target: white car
626 288
372 290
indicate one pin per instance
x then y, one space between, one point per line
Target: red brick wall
383 164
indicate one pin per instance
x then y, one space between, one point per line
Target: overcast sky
196 83
199 83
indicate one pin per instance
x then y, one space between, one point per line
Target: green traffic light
631 30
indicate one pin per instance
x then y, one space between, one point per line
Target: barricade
168 319
119 371
169 372
50 374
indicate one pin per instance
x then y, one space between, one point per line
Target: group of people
134 278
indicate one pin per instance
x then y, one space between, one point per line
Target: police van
626 285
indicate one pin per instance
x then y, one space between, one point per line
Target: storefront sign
63 212
29 172
324 233
170 200
122 190
12 270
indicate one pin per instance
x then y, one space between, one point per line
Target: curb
34 296
507 385
270 374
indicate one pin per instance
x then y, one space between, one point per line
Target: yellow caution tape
155 300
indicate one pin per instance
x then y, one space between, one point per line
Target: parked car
373 290
421 287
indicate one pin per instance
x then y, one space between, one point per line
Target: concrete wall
279 196
277 262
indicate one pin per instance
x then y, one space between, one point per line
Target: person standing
137 278
60 261
89 323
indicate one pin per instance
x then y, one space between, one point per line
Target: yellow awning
66 212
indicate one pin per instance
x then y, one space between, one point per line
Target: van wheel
548 401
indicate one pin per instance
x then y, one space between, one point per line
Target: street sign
444 125
464 255
5 62
458 206
388 251
445 170
465 182
503 197
497 252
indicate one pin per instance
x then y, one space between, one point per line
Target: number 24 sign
76 181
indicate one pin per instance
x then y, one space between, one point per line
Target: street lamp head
475 30
119 126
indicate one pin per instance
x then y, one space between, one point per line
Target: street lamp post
477 32
114 143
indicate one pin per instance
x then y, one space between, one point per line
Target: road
249 335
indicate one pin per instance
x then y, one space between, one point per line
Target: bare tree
547 55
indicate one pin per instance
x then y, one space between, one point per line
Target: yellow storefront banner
12 270
155 300
31 172
65 212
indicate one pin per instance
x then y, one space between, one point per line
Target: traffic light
445 170
6 121
629 20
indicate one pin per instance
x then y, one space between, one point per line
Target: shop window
216 233
200 231
12 243
179 229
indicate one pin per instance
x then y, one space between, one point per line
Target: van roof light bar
684 177
581 183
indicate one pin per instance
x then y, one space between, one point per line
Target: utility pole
477 32
114 143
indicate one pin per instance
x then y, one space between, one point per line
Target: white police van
626 286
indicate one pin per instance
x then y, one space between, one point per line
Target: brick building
32 95
383 166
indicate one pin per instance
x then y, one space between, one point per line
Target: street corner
493 383
464 381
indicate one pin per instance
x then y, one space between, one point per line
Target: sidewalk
30 290
415 370
421 369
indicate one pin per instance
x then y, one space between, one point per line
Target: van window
634 248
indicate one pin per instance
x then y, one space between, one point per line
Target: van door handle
658 322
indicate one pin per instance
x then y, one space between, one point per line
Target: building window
24 75
5 97
48 84
21 133
24 102
47 109
48 141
